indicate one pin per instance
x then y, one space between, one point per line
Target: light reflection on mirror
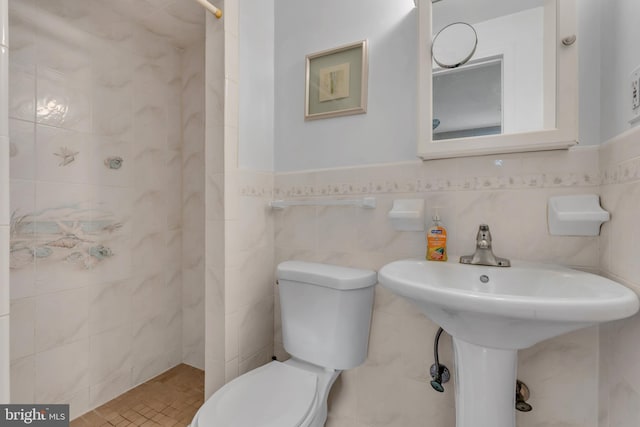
508 86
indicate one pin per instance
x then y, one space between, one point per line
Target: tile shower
107 143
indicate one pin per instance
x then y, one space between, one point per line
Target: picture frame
336 82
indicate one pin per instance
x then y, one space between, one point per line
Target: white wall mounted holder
578 215
407 215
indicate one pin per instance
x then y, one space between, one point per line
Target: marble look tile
262 357
625 408
149 253
193 211
231 370
61 318
5 250
193 335
148 297
62 372
110 355
21 149
22 328
21 261
113 110
23 36
112 163
4 185
147 355
63 155
149 173
215 197
105 391
255 328
23 374
62 101
109 306
232 327
22 92
563 373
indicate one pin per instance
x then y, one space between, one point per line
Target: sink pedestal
485 385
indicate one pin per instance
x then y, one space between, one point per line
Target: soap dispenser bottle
436 240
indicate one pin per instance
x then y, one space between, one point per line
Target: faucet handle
483 227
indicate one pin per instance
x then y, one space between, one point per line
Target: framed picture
336 82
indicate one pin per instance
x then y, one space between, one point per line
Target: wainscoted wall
619 254
96 201
507 192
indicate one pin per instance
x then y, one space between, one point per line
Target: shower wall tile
4 183
502 191
22 328
192 203
96 251
62 155
22 48
4 23
61 318
23 373
22 91
62 373
109 306
62 100
112 163
110 355
22 149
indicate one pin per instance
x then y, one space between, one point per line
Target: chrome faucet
484 254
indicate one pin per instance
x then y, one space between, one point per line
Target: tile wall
619 254
193 210
215 158
239 227
4 205
96 201
507 192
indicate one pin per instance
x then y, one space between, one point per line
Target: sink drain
484 278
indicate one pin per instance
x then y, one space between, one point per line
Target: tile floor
169 400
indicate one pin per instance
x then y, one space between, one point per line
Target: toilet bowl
326 315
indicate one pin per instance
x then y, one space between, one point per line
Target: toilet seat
274 395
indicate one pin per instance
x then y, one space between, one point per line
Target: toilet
326 315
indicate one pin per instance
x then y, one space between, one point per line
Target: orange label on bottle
437 244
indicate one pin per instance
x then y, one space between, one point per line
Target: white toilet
326 314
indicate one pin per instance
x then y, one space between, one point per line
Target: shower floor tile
169 400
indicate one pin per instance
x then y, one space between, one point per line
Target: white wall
589 39
256 109
387 133
620 56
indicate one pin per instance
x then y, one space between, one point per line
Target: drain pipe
439 373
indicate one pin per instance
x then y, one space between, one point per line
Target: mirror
454 45
494 77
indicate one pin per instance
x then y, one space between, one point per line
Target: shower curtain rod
211 8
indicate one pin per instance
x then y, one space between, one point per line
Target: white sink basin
491 312
516 308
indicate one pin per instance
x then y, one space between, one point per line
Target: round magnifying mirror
454 45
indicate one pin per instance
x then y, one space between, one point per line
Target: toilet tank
326 312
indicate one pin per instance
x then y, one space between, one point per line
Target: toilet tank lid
331 276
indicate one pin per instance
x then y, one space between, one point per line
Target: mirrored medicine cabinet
517 92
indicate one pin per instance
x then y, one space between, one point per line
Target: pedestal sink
491 312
